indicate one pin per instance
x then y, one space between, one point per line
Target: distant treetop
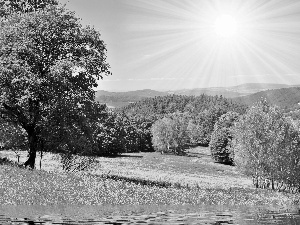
23 6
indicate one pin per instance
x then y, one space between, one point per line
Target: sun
226 26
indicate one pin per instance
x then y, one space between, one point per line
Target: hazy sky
175 44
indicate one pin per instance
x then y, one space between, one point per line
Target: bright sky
176 44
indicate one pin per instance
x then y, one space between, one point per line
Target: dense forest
199 113
180 103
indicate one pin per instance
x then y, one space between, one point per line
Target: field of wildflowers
140 179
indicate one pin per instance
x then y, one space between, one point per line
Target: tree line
263 142
196 114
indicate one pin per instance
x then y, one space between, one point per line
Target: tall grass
31 187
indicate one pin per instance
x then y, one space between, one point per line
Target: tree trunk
41 159
33 147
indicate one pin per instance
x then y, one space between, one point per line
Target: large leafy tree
49 64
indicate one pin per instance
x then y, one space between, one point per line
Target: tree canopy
23 6
266 146
49 64
220 143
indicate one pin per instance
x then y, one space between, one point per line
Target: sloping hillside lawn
193 179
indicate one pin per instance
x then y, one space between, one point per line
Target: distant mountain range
286 98
119 99
234 91
247 93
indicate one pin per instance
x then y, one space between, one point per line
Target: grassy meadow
135 178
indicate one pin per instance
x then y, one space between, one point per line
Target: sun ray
177 39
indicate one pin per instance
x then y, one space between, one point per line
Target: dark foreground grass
20 186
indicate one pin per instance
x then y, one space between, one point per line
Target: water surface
145 215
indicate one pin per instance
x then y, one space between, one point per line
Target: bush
220 142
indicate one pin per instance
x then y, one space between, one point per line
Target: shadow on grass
225 163
124 156
197 155
130 156
140 181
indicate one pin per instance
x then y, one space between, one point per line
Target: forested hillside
257 87
286 98
233 91
225 92
120 99
179 103
193 117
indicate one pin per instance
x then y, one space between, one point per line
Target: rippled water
144 215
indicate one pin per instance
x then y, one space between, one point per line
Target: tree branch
15 113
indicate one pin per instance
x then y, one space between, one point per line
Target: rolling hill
250 88
233 91
208 91
239 92
119 99
286 98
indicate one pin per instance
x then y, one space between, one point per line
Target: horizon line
165 90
